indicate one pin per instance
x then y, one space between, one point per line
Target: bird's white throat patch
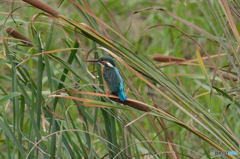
109 64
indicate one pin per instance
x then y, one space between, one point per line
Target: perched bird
111 76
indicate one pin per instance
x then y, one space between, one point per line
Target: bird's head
105 61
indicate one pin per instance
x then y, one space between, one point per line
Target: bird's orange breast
104 79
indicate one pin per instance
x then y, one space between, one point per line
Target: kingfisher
111 76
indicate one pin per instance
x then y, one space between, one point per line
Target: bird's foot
108 93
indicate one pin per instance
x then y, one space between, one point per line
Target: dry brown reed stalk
131 102
113 96
16 34
43 7
228 76
164 58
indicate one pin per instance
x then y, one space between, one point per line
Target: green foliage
52 106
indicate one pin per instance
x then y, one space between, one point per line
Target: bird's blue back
114 81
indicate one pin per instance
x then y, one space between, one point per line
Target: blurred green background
99 130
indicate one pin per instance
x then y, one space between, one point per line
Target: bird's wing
113 79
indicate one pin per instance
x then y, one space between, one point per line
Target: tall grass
53 104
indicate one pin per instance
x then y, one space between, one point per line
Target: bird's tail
122 96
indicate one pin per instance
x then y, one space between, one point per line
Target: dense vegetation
180 65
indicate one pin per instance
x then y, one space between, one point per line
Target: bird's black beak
93 60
